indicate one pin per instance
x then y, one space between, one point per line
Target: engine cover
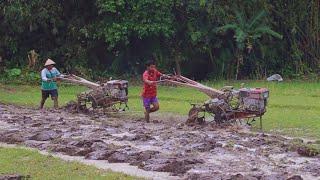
117 89
254 99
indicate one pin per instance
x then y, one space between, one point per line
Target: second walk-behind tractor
225 105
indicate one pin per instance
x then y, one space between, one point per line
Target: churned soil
166 144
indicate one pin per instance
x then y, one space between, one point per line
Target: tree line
202 39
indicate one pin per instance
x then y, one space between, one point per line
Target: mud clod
100 155
237 177
308 151
45 136
295 177
84 143
14 177
145 155
12 137
174 166
118 157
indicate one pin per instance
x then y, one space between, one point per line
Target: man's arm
43 75
58 73
159 74
145 79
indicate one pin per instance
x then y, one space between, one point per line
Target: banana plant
246 32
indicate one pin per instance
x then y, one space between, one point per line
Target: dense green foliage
202 39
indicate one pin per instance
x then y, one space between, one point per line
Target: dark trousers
54 96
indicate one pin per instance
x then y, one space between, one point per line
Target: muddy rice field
164 145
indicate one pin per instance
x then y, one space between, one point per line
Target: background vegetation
205 39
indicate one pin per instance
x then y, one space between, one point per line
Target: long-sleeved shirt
47 79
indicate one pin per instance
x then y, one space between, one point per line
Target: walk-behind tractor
112 95
224 105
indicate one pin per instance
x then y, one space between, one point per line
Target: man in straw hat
49 76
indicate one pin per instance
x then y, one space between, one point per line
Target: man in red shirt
149 93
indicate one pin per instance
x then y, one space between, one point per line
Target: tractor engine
253 99
117 89
110 93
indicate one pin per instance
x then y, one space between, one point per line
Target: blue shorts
46 93
148 101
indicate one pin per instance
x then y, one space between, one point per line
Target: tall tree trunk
211 59
237 68
1 64
315 32
177 61
239 56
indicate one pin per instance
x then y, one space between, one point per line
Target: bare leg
55 102
43 100
147 115
155 107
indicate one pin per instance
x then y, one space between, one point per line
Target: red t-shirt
150 90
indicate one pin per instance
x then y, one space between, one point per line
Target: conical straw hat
49 62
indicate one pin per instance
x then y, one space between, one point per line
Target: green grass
293 108
37 166
31 95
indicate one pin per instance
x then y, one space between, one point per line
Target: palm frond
256 19
240 36
227 27
267 30
241 19
256 36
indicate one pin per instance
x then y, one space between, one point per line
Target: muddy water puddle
167 145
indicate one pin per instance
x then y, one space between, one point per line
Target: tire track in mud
167 145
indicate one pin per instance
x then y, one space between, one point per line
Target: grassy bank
293 108
31 163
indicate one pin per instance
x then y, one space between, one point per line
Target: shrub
16 75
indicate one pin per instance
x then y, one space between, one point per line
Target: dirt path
166 145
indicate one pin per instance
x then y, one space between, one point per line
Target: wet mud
165 145
14 177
